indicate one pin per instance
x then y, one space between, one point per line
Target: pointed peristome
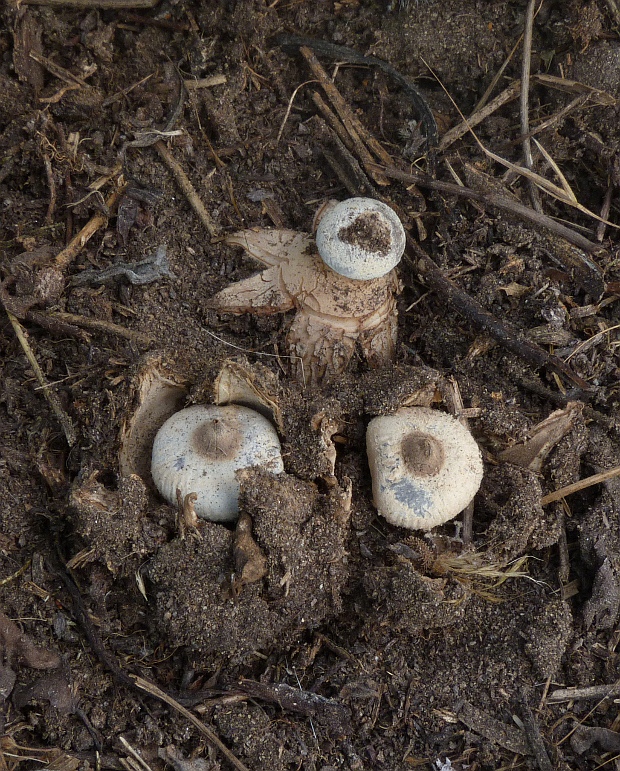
262 294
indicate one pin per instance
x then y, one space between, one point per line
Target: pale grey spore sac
425 466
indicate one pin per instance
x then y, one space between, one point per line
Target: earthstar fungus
425 466
200 449
334 312
360 238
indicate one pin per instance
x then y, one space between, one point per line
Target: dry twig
599 692
53 401
475 313
98 220
595 479
198 83
87 4
456 132
360 137
102 325
60 72
614 10
186 186
586 272
534 738
207 732
292 44
525 95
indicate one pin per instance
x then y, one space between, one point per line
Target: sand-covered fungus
334 313
360 238
425 466
199 449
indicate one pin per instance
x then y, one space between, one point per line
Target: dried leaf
515 290
543 438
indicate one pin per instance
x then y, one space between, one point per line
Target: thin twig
118 95
344 165
614 10
568 86
102 326
587 272
595 479
53 401
605 209
186 186
361 138
333 121
600 692
49 174
534 738
477 315
544 184
585 345
292 44
141 763
525 95
457 409
456 132
109 661
112 4
496 78
289 107
60 72
214 80
98 220
577 102
207 732
17 573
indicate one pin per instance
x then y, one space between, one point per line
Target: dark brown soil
347 643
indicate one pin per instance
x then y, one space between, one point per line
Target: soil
326 638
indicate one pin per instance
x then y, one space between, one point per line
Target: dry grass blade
52 399
544 184
16 574
585 345
525 96
471 565
587 273
565 186
289 107
598 97
207 732
139 763
481 114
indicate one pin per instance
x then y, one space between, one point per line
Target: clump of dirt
302 534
